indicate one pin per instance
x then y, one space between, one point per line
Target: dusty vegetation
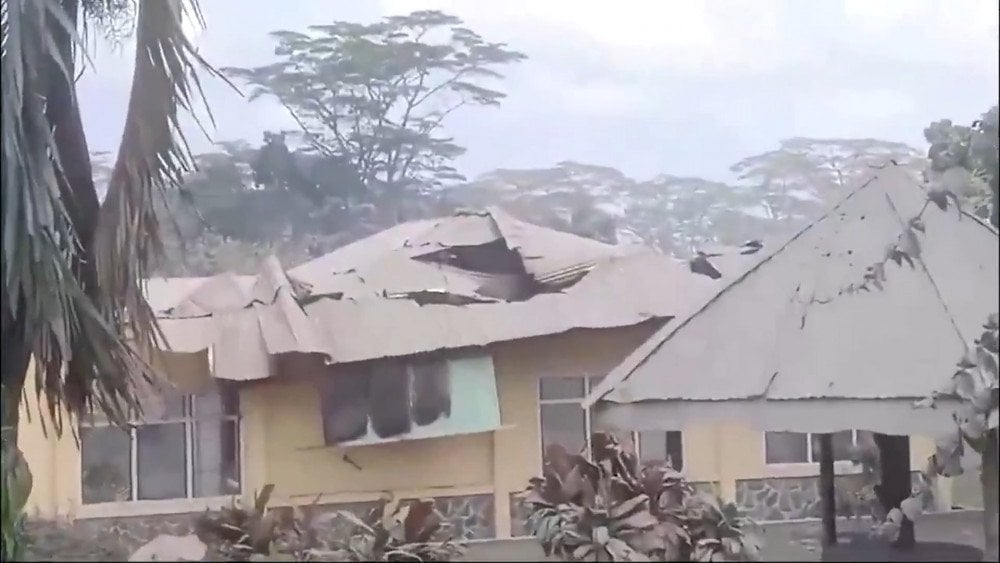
611 509
392 531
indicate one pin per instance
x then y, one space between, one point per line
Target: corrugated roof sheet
245 323
797 327
361 302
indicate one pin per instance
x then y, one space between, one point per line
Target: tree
804 176
243 204
964 160
72 264
377 94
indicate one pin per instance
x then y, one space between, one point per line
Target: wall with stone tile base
109 539
797 498
103 539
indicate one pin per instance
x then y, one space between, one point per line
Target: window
565 422
191 451
797 447
396 399
659 446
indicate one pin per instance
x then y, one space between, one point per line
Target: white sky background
648 87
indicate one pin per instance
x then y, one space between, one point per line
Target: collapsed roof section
485 256
472 279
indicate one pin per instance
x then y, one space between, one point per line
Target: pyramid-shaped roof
862 312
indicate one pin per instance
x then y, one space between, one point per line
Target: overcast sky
660 86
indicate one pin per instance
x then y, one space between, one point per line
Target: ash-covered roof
471 279
872 303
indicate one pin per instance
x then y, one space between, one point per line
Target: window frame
589 382
136 506
452 364
810 462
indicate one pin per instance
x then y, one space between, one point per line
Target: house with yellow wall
436 359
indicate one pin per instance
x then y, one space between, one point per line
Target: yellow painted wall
301 467
283 440
54 461
519 367
284 436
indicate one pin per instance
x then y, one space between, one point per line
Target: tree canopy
963 159
377 94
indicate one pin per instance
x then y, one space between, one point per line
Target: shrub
392 531
612 510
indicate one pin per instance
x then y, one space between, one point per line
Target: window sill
794 470
407 438
152 507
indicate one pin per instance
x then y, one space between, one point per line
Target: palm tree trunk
76 186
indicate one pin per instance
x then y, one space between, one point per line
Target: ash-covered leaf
988 340
909 244
939 197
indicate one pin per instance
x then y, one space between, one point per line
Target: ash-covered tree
963 159
225 218
377 94
798 180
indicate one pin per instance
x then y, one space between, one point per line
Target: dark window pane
842 444
594 382
786 447
656 446
207 405
224 401
562 388
389 393
168 406
431 391
216 458
106 464
161 461
344 397
675 449
565 425
230 395
652 445
174 406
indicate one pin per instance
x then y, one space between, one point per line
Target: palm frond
72 273
152 158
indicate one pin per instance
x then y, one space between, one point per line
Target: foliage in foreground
965 160
612 510
392 531
73 265
13 497
976 386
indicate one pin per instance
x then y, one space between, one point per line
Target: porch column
896 482
827 493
